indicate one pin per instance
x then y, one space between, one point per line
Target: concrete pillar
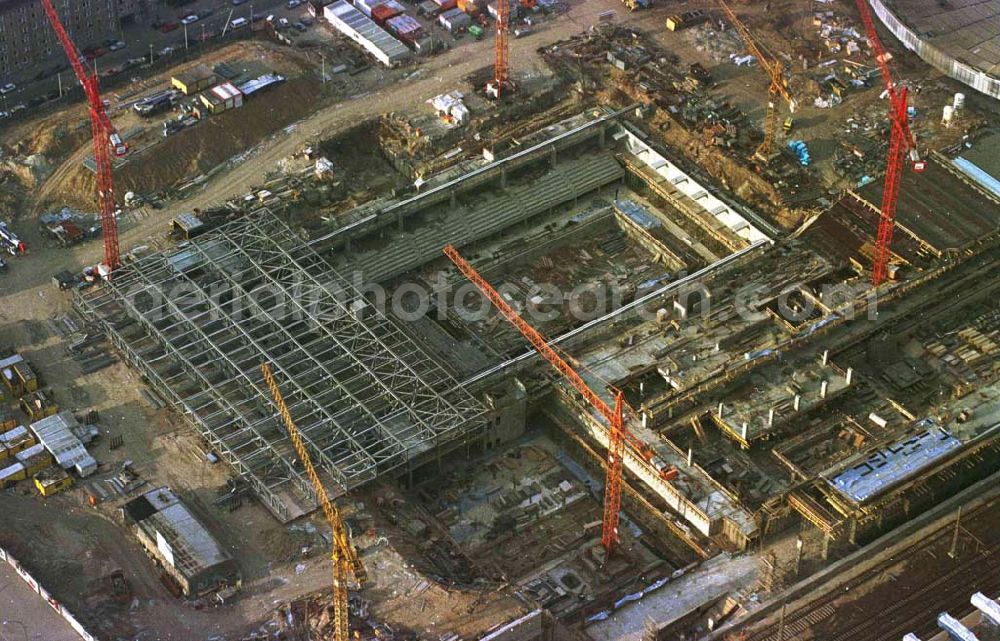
399 221
744 429
690 456
553 156
852 533
645 417
824 551
850 375
452 201
822 388
797 402
503 177
826 356
602 136
721 408
770 417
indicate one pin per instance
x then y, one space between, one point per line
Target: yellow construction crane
776 91
346 562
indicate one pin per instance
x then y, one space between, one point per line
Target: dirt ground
70 544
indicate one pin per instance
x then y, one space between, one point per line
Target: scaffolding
197 321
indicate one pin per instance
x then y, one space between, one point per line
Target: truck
10 242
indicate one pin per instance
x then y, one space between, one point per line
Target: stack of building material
406 28
454 20
57 434
450 108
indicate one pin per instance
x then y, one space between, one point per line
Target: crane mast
618 434
501 78
901 140
776 91
346 562
106 140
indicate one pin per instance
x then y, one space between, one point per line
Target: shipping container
11 474
222 98
52 480
454 20
385 12
406 28
446 5
428 9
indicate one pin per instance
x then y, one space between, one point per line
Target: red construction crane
106 141
901 140
618 435
501 81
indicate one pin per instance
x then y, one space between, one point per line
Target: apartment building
27 39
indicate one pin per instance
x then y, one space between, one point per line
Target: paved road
24 616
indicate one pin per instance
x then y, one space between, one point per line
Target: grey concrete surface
25 616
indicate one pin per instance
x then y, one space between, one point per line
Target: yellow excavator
346 562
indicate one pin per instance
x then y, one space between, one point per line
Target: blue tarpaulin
973 171
637 214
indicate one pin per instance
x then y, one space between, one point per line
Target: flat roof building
193 80
363 30
58 433
960 38
180 543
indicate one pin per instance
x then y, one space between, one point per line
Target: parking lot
160 33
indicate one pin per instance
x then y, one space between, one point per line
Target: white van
239 23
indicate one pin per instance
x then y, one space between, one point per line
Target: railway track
950 589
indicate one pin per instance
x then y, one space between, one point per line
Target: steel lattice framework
198 320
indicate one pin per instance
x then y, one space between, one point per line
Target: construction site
535 321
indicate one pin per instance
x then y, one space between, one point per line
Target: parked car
237 3
7 88
168 27
239 23
117 45
294 3
298 26
191 19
